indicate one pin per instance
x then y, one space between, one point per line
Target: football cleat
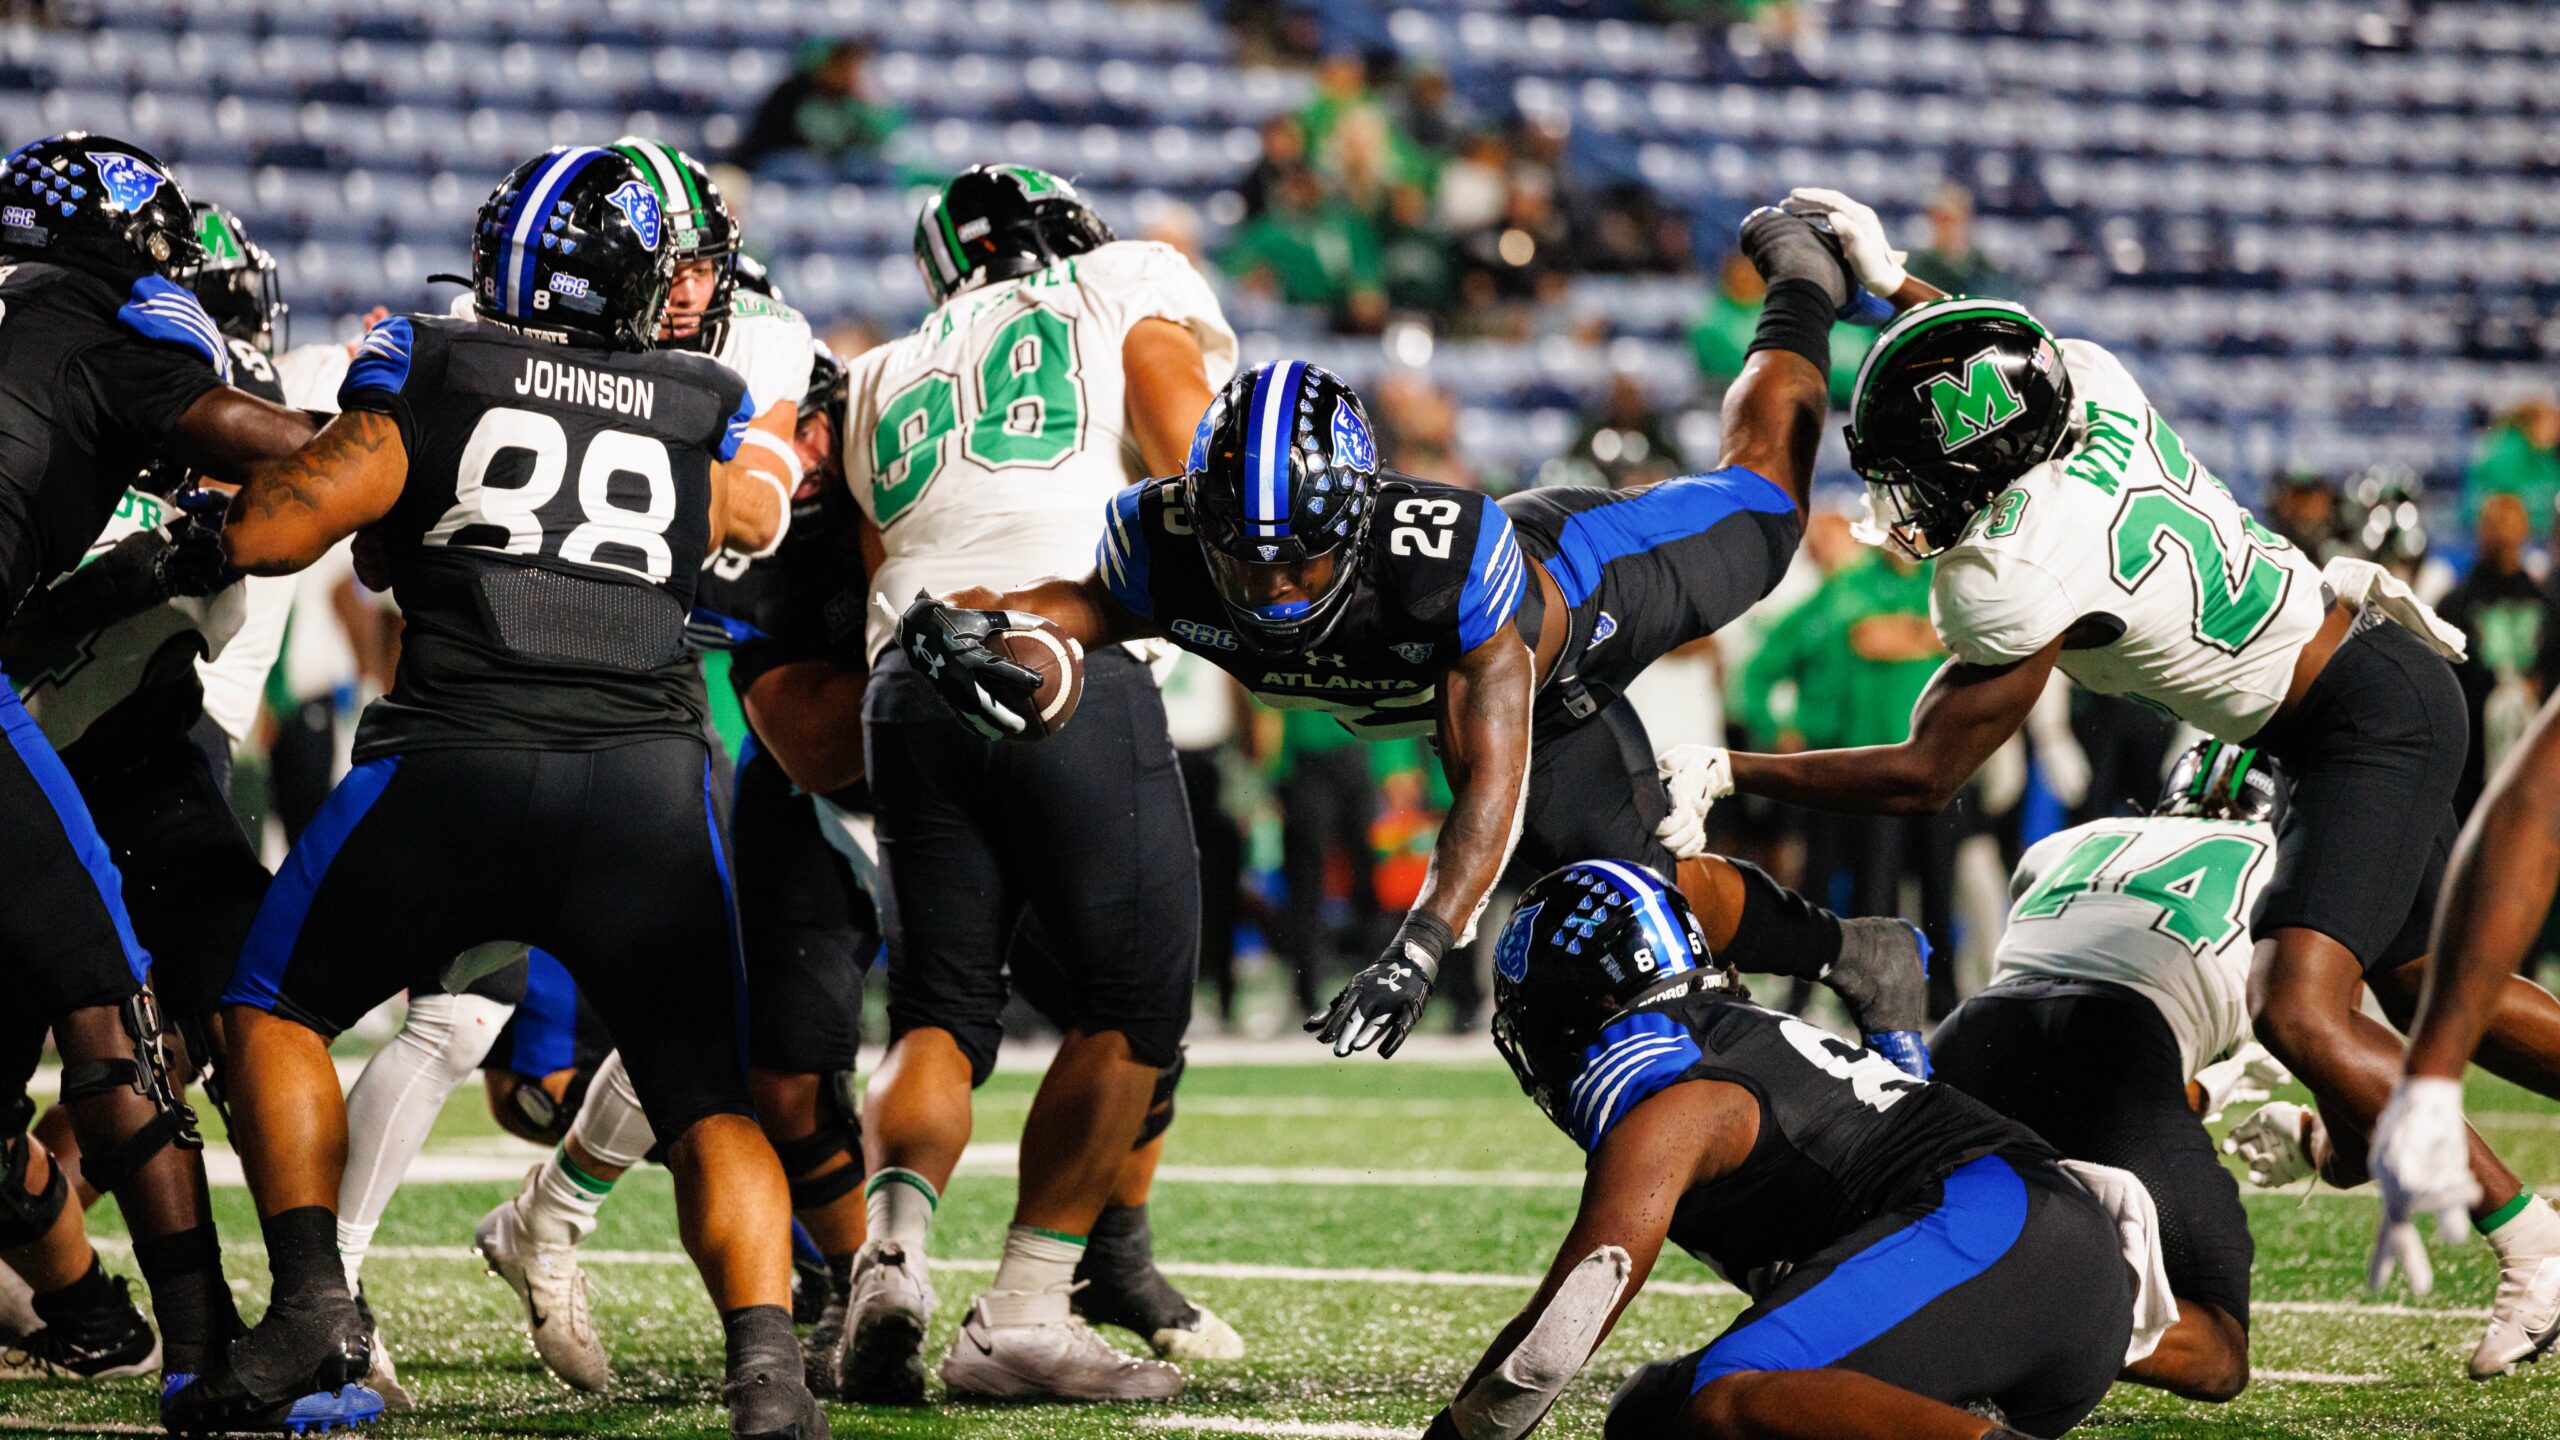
294 1374
822 1350
886 1320
318 1413
381 1376
1882 976
544 1273
105 1342
1017 1346
2524 1320
1119 1284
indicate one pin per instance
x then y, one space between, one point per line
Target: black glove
193 564
949 647
1382 1003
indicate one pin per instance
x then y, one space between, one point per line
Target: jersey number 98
1028 411
609 534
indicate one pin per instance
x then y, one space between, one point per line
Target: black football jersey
1441 573
546 546
802 602
1844 1135
92 380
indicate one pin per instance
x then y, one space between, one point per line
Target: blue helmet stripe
1670 941
1275 398
525 223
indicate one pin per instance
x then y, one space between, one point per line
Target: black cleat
1118 1284
106 1339
301 1349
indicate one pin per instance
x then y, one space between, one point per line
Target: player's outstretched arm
756 486
1773 414
1168 392
1967 712
230 434
1484 745
1668 1142
289 514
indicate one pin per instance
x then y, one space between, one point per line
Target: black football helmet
994 222
99 205
575 244
2216 780
700 225
1281 483
1956 401
237 283
1586 944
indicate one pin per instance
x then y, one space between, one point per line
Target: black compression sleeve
1797 317
1781 932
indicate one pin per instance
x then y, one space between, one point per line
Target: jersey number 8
609 536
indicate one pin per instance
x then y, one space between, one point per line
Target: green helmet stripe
930 229
1920 318
667 174
2204 772
1035 181
950 239
2240 770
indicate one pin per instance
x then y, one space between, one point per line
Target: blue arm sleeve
1494 579
159 309
1636 1057
734 433
1121 557
381 360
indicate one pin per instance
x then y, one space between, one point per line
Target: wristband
1423 938
1797 318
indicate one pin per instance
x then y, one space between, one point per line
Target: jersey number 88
608 535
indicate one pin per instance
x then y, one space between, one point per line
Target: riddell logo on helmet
1972 404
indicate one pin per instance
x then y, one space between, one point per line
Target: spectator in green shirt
1721 338
1310 249
820 110
2520 456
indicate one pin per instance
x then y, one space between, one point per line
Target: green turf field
1366 1226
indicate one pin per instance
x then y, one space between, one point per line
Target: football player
108 365
1057 365
2121 984
1906 1250
1281 553
2073 529
544 487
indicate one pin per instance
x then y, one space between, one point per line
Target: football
1056 657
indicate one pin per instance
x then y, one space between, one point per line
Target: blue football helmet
1281 483
1586 944
575 242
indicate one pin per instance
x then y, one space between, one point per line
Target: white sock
394 1103
560 1201
900 1204
2531 1231
1037 1261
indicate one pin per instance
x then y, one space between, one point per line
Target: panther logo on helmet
129 184
639 205
1511 952
1352 446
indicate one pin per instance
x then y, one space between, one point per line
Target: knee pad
147 1075
839 1132
24 1218
1160 1108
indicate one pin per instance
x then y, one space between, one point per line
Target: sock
901 1205
56 1306
394 1104
2523 1226
1037 1261
183 1272
302 1252
561 1200
764 1389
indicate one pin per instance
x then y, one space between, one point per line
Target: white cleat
1206 1338
2524 1320
885 1324
1019 1346
545 1275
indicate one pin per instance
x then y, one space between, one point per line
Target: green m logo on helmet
1972 403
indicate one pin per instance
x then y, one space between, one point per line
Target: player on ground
2074 530
1282 554
1058 365
2123 977
545 488
1906 1250
107 365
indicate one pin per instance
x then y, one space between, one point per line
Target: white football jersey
2127 529
768 345
987 444
2157 904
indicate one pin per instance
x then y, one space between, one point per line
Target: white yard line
2313 1377
1294 1429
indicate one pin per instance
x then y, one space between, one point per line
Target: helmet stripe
1651 913
1267 446
930 223
524 225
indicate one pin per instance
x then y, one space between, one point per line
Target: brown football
1057 658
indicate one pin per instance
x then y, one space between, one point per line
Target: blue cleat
1908 1051
319 1413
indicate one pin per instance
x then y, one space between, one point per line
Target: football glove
1697 777
1872 259
2269 1144
1382 1003
193 564
2249 1076
949 648
2421 1160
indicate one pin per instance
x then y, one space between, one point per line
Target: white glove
2361 582
1872 259
1697 776
2249 1076
2269 1144
2421 1159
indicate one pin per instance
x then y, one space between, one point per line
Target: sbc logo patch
639 205
573 286
129 183
1199 634
18 217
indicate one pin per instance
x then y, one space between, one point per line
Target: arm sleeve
1637 1057
1494 580
1121 556
1991 607
378 378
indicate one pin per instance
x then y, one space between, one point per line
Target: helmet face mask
2216 780
1281 485
997 222
574 245
238 283
1957 400
100 205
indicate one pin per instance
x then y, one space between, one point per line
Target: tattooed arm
289 514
